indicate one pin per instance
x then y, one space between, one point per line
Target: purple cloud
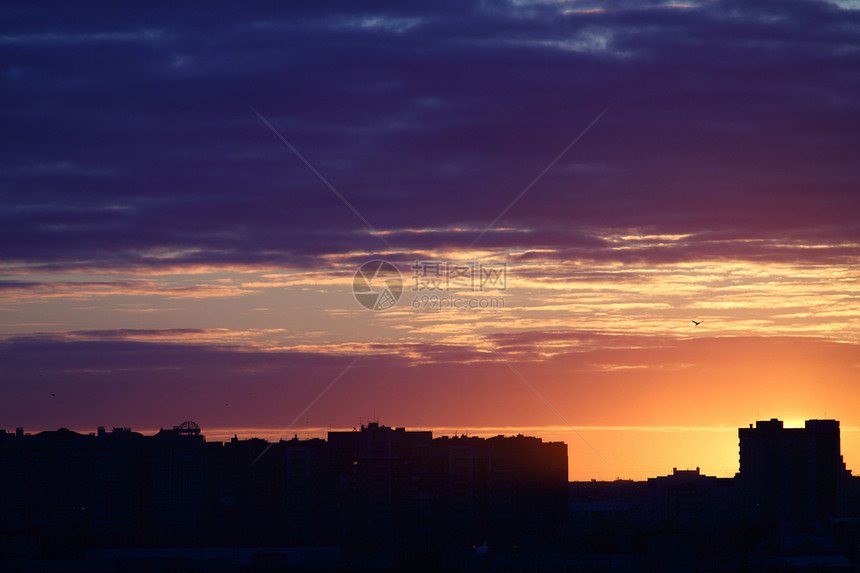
130 137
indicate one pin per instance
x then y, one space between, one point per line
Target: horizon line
220 432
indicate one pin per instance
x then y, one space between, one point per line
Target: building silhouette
378 491
792 473
688 498
382 498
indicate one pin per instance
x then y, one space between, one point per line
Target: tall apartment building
791 473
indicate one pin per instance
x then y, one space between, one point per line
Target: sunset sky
186 196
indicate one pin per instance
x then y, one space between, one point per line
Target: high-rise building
791 473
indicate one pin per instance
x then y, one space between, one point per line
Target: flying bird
696 323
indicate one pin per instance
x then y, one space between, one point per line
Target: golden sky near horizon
181 223
610 350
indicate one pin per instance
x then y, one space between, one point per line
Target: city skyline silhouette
630 228
381 498
549 242
374 422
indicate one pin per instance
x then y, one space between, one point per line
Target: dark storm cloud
129 141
